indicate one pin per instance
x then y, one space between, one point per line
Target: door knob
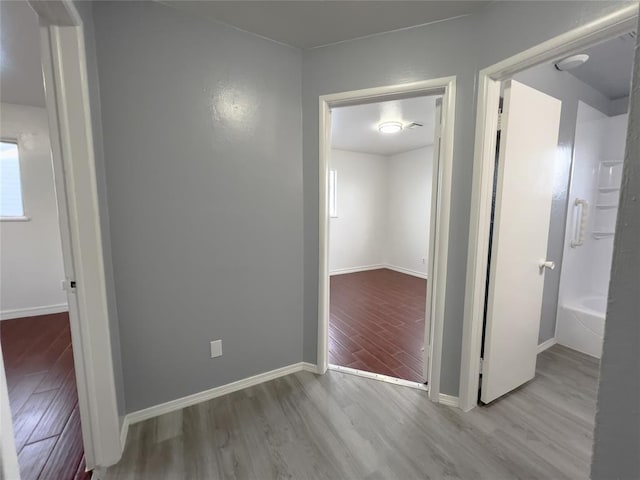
547 264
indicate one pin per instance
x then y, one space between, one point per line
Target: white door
528 144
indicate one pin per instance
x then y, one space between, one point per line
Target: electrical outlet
216 348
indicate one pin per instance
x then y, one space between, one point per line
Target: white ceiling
608 69
20 67
355 128
311 23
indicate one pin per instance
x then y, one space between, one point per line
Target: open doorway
380 194
438 231
551 73
561 145
560 150
549 176
35 323
35 328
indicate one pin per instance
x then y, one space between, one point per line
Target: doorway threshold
377 376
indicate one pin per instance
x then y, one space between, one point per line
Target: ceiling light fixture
571 62
390 127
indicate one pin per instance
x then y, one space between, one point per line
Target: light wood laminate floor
340 426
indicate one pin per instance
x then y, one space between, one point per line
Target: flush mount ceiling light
390 127
571 62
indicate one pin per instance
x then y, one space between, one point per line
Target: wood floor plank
340 426
58 372
39 365
33 457
44 330
59 410
28 417
23 388
64 459
380 315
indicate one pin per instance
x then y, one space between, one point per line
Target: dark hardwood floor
377 323
42 394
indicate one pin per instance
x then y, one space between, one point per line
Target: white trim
21 218
33 311
379 376
98 473
380 266
440 211
124 431
310 367
546 344
449 400
179 403
608 26
67 96
406 271
364 268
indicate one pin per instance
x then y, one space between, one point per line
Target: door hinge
69 286
481 366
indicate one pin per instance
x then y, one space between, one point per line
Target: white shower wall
597 166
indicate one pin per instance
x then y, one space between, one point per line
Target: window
333 194
11 205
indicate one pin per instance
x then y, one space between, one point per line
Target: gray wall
616 452
213 198
85 11
458 47
202 140
565 87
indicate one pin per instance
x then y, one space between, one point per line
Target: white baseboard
547 344
156 410
366 268
310 367
124 431
179 403
33 311
98 473
413 273
449 400
363 268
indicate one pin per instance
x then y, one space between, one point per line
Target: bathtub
580 324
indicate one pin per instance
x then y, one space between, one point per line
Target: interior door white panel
528 145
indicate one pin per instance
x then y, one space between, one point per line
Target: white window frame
24 217
333 193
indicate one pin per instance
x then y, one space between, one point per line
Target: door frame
440 211
489 80
64 68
